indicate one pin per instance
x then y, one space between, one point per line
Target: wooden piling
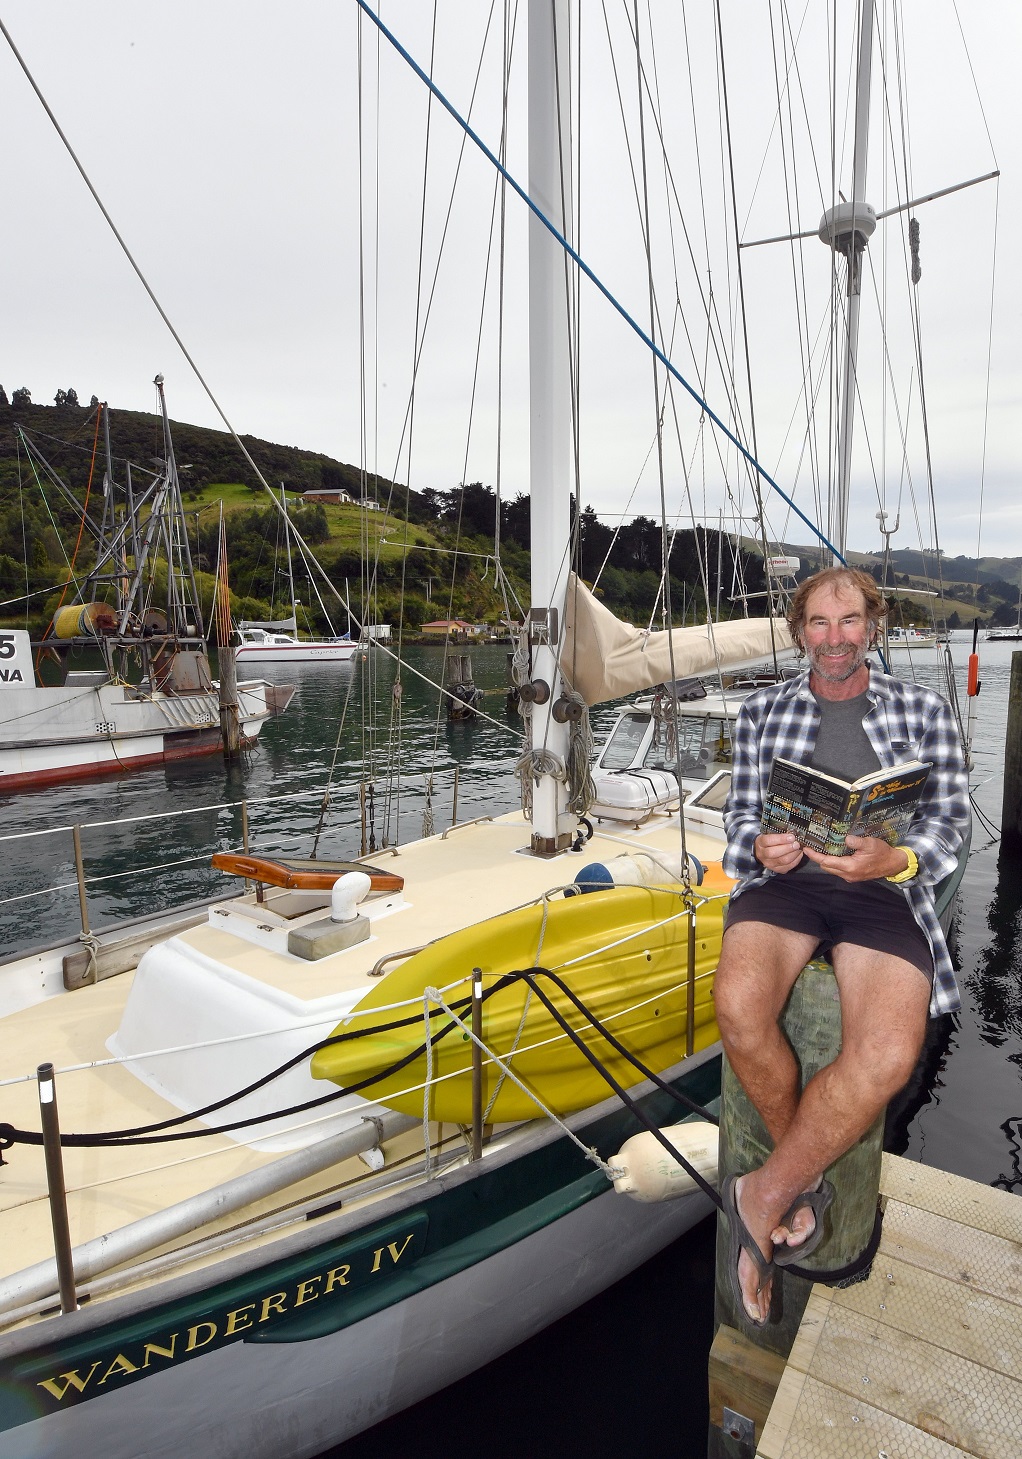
230 723
812 1024
1011 805
462 695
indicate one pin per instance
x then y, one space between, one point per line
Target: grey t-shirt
842 748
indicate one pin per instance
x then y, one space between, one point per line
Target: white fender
647 1172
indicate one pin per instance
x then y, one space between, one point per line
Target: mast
182 594
847 228
290 568
550 418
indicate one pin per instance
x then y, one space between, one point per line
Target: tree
60 399
22 396
71 397
3 396
94 402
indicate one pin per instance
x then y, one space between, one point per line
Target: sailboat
368 1208
1013 632
277 642
152 699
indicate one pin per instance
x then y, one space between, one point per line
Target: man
871 912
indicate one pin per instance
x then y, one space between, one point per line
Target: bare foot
755 1289
801 1226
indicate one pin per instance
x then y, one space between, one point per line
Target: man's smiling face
836 633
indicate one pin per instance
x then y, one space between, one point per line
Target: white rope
235 1038
433 995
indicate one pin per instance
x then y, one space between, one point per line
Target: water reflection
995 983
340 719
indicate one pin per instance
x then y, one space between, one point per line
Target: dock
921 1361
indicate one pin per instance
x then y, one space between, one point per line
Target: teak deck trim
923 1361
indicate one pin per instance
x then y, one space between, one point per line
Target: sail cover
603 658
279 625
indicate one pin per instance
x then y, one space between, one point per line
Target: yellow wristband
910 870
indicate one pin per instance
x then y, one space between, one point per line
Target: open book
820 810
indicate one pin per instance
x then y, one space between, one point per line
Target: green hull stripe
338 1282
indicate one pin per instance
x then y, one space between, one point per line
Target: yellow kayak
623 952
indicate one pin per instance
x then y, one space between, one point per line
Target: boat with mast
277 641
152 698
375 1209
1011 633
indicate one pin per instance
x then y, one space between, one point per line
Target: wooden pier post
230 724
1011 805
812 1023
462 695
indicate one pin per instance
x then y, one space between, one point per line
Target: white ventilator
647 1172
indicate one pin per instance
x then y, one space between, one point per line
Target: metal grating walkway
923 1361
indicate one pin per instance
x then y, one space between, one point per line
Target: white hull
300 1398
915 642
50 735
311 652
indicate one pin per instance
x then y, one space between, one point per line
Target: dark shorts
862 913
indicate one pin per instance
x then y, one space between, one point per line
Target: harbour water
626 1374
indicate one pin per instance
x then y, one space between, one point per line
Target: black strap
856 1268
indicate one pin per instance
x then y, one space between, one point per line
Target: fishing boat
907 637
387 1076
152 699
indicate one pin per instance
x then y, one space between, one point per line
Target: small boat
907 637
278 642
264 645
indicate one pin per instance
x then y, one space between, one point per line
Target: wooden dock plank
949 1315
966 1404
813 1421
925 1358
978 1206
950 1249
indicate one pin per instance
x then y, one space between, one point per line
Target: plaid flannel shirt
906 722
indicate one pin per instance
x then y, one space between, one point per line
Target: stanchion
477 1065
690 996
55 1186
76 834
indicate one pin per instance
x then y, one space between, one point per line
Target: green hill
429 553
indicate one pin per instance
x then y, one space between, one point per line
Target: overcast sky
223 138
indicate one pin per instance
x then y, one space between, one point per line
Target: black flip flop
740 1238
817 1201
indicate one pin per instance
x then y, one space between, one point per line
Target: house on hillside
336 496
455 629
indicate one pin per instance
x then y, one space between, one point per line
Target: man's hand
778 851
871 860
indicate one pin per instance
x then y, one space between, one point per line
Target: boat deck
476 872
925 1358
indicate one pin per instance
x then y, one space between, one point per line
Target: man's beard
824 665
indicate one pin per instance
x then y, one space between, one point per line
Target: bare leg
758 967
884 1006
